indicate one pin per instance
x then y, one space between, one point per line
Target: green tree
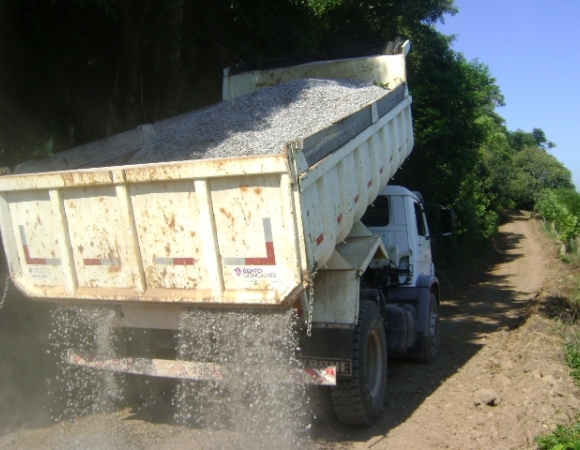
535 171
496 169
451 96
453 100
520 139
346 22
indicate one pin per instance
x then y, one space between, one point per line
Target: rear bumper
192 370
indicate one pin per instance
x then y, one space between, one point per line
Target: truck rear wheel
360 400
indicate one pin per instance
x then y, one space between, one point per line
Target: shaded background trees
78 70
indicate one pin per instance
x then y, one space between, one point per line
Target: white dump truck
314 226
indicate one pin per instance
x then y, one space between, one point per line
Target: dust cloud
257 404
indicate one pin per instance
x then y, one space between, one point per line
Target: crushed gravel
260 122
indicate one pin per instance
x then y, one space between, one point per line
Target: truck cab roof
400 190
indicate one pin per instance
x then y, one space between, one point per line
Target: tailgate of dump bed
207 231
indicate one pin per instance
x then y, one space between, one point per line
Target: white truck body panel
238 231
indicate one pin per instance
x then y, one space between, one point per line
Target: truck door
423 263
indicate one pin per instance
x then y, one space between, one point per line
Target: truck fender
425 285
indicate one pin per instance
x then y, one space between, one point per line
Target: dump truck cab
398 217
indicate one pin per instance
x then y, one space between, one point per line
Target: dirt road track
492 350
500 381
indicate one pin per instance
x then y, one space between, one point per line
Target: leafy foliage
562 207
454 102
537 170
520 139
563 438
573 358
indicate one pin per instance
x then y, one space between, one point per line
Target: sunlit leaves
562 207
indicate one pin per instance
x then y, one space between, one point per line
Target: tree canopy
79 70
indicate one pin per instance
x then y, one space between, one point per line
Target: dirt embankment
500 381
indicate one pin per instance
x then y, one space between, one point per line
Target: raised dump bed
278 185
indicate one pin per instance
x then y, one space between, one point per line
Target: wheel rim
374 366
434 329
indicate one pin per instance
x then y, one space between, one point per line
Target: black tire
431 342
360 400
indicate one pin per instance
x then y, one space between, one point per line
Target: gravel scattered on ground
260 122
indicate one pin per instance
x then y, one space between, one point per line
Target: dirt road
500 381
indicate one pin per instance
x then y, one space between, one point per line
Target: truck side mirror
447 221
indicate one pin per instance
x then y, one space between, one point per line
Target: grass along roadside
566 437
565 307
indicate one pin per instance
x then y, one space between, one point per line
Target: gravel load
260 122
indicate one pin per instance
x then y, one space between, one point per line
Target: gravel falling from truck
257 404
77 391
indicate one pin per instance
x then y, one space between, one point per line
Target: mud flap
328 347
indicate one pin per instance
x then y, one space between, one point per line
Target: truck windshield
377 214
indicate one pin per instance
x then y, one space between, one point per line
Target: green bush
563 438
573 358
562 207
